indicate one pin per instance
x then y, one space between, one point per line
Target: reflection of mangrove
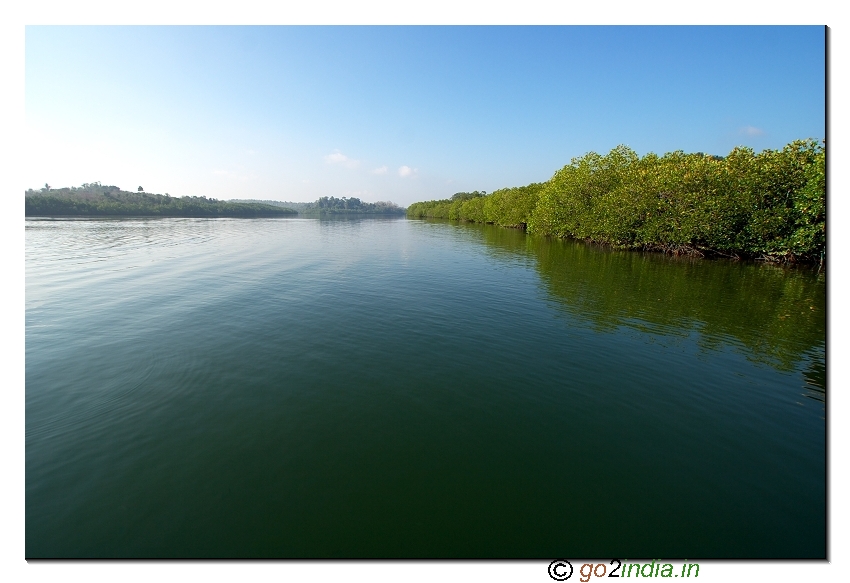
776 314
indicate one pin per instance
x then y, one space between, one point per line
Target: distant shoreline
96 200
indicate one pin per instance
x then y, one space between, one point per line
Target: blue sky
399 113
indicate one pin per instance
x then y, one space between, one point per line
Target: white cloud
406 171
751 131
381 170
338 157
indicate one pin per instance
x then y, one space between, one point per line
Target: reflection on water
775 315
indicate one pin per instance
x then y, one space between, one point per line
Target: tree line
329 205
770 205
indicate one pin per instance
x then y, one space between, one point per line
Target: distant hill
94 199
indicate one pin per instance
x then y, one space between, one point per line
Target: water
394 388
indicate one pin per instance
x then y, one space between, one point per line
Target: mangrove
769 205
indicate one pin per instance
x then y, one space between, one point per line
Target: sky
399 113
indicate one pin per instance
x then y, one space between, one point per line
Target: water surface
394 388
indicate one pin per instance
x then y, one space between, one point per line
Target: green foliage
508 207
511 207
769 205
433 209
473 210
810 208
573 203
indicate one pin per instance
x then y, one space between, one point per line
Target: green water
395 388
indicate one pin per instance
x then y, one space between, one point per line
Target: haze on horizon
401 113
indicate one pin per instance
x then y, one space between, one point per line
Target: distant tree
46 186
141 189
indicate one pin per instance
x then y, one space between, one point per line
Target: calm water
380 388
